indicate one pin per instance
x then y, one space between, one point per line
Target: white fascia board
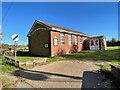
86 35
73 33
61 30
76 33
70 32
66 31
83 35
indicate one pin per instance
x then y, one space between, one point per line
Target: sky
92 18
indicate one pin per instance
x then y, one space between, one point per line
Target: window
96 42
92 42
55 41
62 39
76 40
69 39
80 40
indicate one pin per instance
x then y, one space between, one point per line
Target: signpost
15 38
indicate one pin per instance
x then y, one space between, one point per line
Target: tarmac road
60 74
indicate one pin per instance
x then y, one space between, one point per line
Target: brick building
50 40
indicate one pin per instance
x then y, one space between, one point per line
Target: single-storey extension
95 43
49 40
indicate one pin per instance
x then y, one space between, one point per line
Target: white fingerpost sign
15 38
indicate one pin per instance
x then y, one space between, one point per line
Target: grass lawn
109 55
113 47
25 58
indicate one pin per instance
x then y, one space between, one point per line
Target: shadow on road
90 79
40 75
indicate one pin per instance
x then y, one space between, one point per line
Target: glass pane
96 42
62 39
55 41
92 43
80 40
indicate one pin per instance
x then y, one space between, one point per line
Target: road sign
15 37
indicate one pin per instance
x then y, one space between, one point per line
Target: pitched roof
58 28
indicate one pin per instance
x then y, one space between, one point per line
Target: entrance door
97 44
94 44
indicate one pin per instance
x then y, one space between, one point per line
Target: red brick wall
66 48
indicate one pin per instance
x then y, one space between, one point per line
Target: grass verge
25 58
8 66
4 83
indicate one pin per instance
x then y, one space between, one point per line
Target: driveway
60 74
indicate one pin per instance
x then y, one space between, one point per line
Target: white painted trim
76 40
56 29
69 39
70 32
61 35
62 30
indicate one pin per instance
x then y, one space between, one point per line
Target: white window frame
55 41
80 40
76 40
62 38
69 39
